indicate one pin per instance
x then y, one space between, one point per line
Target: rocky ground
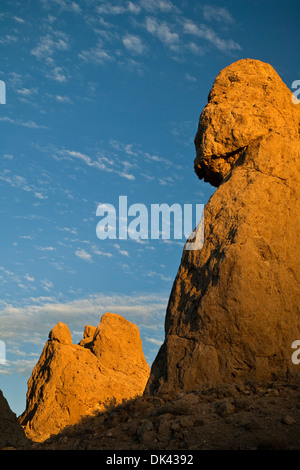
245 417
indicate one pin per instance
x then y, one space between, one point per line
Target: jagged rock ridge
74 380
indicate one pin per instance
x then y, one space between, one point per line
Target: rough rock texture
260 416
11 432
247 101
233 312
74 380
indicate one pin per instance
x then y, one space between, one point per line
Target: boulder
61 333
71 381
233 311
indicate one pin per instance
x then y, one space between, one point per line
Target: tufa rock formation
233 312
71 381
11 432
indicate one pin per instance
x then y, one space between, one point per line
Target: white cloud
194 48
46 48
19 122
8 39
102 253
165 6
133 44
40 195
26 91
162 31
19 182
96 55
157 275
50 44
18 19
102 163
65 5
75 7
190 78
158 342
203 32
221 14
82 254
122 252
127 176
45 248
106 8
133 8
47 285
99 164
63 99
67 229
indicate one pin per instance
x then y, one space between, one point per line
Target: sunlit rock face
71 381
233 312
248 100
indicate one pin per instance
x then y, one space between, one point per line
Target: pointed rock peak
89 331
61 333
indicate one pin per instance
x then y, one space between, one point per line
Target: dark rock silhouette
11 432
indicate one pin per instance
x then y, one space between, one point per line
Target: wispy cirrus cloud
64 5
49 44
204 32
8 39
133 44
220 14
163 6
44 51
84 255
107 8
162 31
97 54
19 182
102 163
19 122
18 19
26 92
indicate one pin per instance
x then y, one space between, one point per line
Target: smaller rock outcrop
74 380
11 432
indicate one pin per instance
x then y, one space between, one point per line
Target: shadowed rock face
11 432
71 381
233 312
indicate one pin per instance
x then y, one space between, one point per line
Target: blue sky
103 100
